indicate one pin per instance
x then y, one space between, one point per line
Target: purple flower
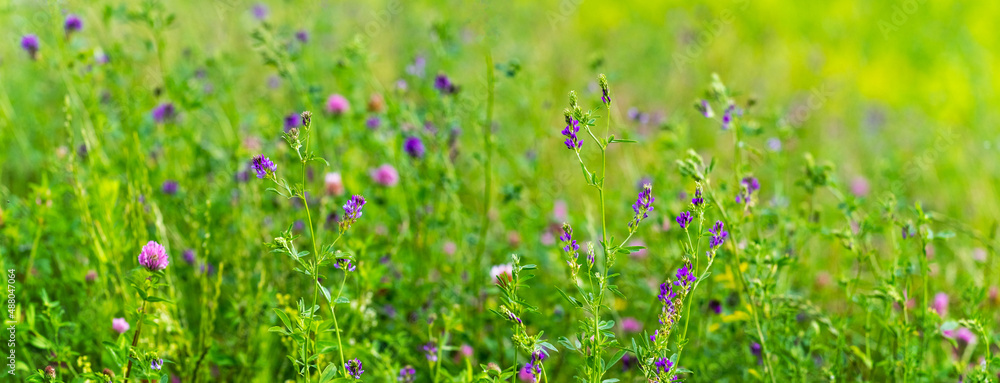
430 351
534 365
697 200
572 140
663 365
72 24
385 175
120 325
373 122
940 304
684 219
406 374
417 68
414 147
643 205
154 256
719 235
444 85
774 144
302 36
293 120
189 256
727 117
715 306
30 44
263 166
91 275
666 293
156 364
344 264
567 238
353 368
337 104
706 109
170 187
163 112
352 211
259 11
749 186
684 277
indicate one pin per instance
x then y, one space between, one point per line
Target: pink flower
859 186
979 254
385 175
154 257
120 325
499 270
337 104
466 350
450 248
548 239
559 211
334 183
631 325
940 304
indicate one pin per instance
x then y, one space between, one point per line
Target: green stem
135 338
315 264
336 327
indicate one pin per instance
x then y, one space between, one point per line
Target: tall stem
488 146
315 265
135 338
336 327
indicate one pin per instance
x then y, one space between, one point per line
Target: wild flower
373 122
120 325
333 183
684 219
292 120
748 186
414 147
727 117
407 374
697 201
719 236
302 36
72 24
503 272
571 130
444 85
706 109
430 351
352 211
354 368
631 325
154 256
29 43
344 264
169 187
337 104
385 175
189 256
263 166
940 304
684 277
259 11
163 112
156 364
642 206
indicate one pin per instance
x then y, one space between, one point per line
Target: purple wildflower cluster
344 264
697 200
571 247
353 368
414 147
443 84
164 112
30 44
684 219
573 141
534 366
749 185
292 120
719 235
352 211
407 375
263 166
154 256
73 24
643 205
430 351
156 364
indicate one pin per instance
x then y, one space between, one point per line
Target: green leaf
326 293
157 299
284 318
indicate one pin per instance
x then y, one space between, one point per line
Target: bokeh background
898 95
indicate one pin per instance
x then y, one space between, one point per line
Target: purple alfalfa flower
414 147
727 117
715 306
534 365
344 264
684 277
156 364
29 43
663 365
571 132
684 219
302 36
407 374
352 211
416 69
120 325
697 200
906 231
748 186
373 122
263 166
259 11
292 120
163 112
189 256
72 24
643 205
667 293
154 256
443 84
706 109
566 237
774 144
430 351
353 368
169 187
719 235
